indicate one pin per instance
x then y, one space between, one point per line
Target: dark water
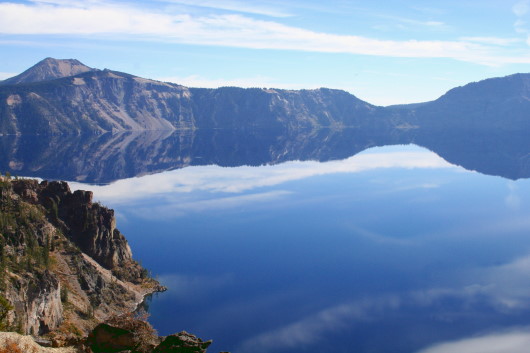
318 241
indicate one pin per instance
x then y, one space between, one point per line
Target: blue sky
385 52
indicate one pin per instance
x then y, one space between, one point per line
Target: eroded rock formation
62 265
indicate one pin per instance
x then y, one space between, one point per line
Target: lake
372 246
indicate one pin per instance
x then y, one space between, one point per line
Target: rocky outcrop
90 226
36 301
126 333
16 343
64 266
182 342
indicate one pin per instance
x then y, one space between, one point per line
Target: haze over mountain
68 97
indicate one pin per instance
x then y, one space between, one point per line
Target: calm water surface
392 250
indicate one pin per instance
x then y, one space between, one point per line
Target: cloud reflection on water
514 341
246 178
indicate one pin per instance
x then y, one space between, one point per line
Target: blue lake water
391 250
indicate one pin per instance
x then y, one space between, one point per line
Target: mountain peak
49 69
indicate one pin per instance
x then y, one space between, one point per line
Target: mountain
68 97
49 69
103 100
497 103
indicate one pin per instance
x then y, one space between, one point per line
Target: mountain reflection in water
101 159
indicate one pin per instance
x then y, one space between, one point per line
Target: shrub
5 307
11 347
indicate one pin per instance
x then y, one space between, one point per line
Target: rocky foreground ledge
67 276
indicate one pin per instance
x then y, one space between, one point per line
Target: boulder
182 342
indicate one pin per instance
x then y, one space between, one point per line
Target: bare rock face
57 248
106 338
43 307
37 303
182 342
89 225
134 335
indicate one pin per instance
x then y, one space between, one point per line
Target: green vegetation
5 307
21 223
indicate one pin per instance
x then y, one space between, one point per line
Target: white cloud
521 8
515 341
492 40
4 75
413 22
237 6
178 206
245 82
125 21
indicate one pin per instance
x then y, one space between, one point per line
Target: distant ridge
49 69
68 97
494 103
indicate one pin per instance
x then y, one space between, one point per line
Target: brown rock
182 342
106 338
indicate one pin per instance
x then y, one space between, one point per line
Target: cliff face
102 101
36 301
90 226
64 265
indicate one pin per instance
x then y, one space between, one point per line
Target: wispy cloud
4 75
492 40
245 82
521 9
128 21
175 207
237 6
414 22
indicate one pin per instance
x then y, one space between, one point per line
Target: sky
384 52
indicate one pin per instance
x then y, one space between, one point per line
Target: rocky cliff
64 266
102 101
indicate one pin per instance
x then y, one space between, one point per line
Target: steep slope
497 103
64 266
102 101
96 101
49 69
